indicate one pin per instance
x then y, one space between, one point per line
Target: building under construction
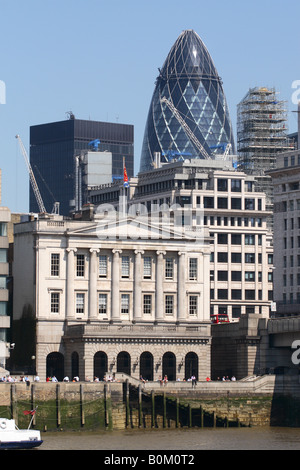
261 135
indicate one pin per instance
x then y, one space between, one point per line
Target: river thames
185 439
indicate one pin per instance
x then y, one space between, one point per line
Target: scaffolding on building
261 134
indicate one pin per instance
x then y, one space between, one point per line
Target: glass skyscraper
188 115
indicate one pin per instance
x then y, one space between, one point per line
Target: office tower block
55 146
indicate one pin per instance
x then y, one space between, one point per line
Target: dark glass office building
188 115
53 147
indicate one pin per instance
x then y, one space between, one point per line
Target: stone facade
112 296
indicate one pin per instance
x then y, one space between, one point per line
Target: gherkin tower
188 115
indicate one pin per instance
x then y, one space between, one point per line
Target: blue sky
100 59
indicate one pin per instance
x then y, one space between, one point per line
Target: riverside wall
257 401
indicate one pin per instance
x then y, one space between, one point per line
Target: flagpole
124 189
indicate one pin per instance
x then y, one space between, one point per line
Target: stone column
70 310
93 308
137 306
115 285
159 276
181 291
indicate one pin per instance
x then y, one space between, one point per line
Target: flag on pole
29 412
125 176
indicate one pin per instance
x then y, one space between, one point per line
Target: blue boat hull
19 445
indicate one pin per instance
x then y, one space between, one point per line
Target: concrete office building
286 182
213 194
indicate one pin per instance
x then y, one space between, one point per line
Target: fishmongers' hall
115 292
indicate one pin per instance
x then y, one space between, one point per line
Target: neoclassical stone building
115 293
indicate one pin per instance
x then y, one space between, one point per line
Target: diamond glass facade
188 115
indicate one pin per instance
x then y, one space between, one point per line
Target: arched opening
74 364
123 363
55 365
191 365
169 366
100 365
146 366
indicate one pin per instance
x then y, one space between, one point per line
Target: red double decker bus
219 318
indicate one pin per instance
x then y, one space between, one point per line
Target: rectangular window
236 312
80 265
236 203
54 264
222 238
102 305
249 204
236 294
222 275
250 276
3 255
208 202
222 293
169 268
236 275
125 266
236 239
222 257
79 303
169 304
236 257
249 294
147 304
102 266
249 239
147 267
222 184
193 305
249 257
193 268
236 186
125 304
54 302
222 203
3 229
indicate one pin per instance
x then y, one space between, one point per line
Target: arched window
55 365
191 365
124 363
100 365
146 366
169 366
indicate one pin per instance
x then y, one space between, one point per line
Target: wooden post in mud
152 409
140 405
82 418
58 412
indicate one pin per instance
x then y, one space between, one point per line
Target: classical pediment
113 226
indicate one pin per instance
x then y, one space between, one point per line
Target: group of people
10 379
227 379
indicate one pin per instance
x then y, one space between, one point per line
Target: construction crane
33 182
186 128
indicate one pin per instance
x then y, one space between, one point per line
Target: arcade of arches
143 366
